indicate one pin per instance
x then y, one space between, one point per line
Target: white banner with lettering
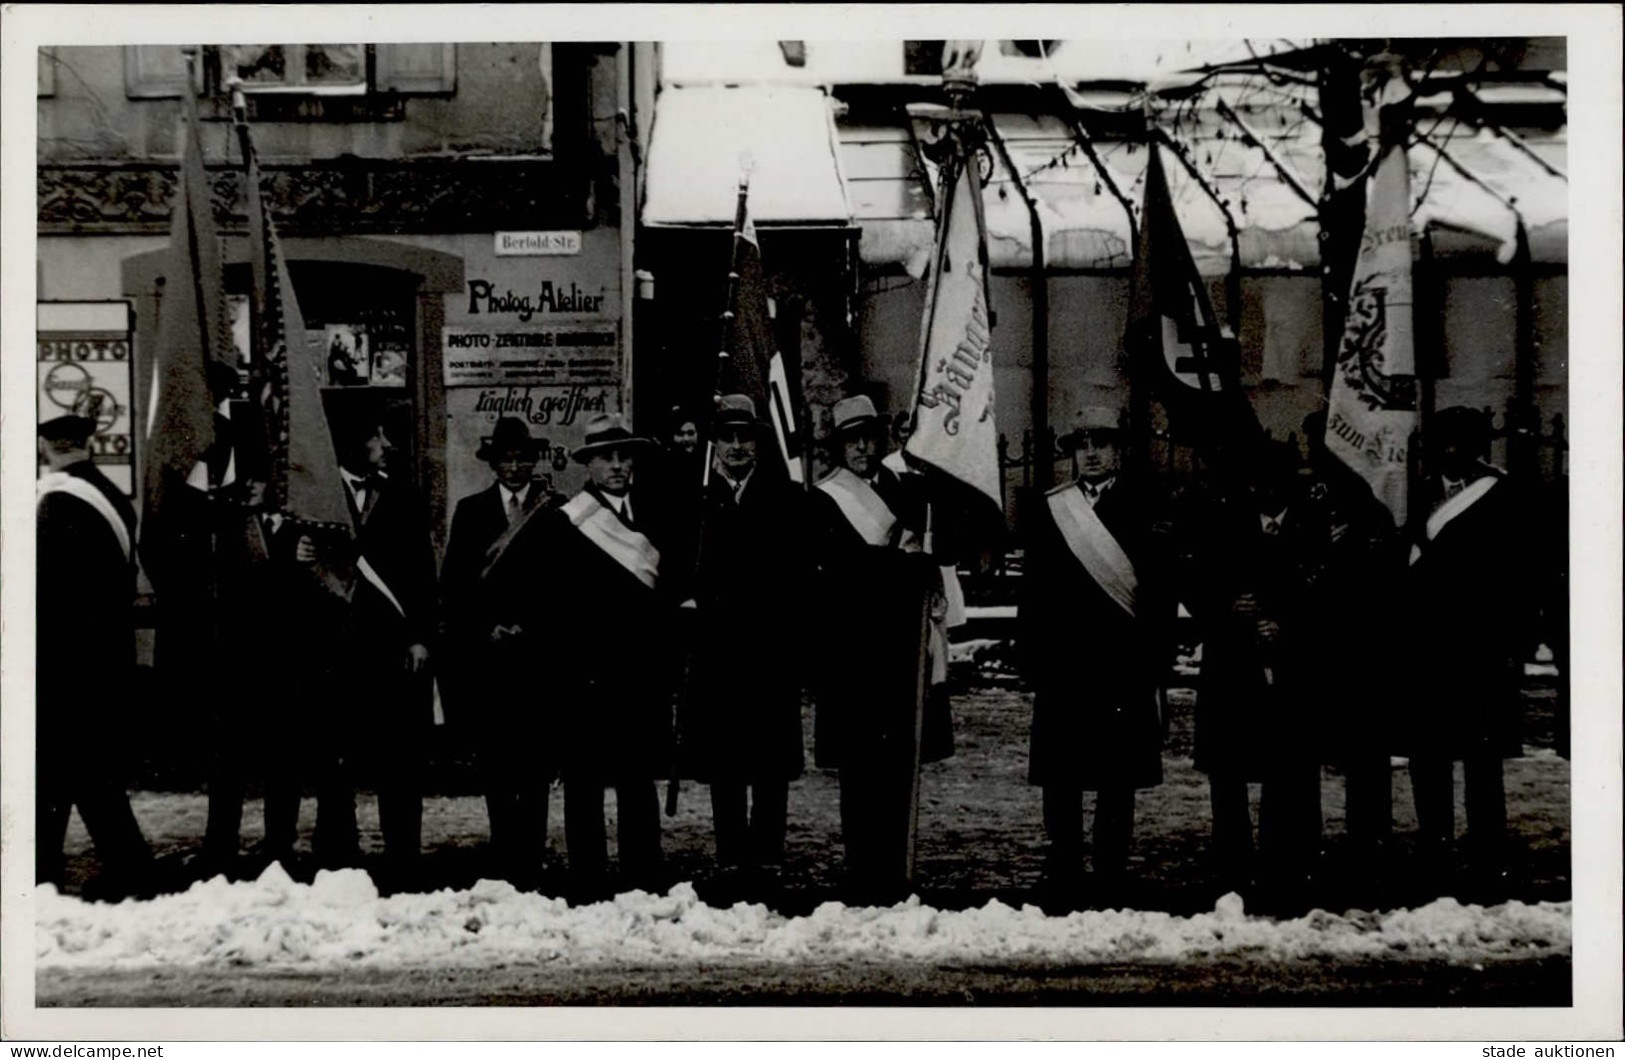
1372 406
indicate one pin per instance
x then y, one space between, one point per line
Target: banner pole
724 355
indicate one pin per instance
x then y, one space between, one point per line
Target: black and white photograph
691 523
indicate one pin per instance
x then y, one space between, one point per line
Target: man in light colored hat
1095 638
1471 606
607 705
742 717
84 659
869 525
489 684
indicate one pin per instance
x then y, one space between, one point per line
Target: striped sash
862 506
618 541
62 482
1094 546
1448 510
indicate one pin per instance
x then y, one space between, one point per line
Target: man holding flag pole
880 532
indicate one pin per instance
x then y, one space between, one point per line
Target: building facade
452 215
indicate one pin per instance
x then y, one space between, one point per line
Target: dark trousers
513 750
65 781
874 824
1112 830
637 827
755 837
1288 821
380 719
245 746
1369 798
518 811
227 789
1433 780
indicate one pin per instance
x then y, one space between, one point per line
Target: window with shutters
298 70
313 68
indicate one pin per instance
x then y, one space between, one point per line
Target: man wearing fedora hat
607 706
872 724
493 644
742 718
1471 608
84 656
1095 634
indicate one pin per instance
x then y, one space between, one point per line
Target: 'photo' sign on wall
85 368
562 353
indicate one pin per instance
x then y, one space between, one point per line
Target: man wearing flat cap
84 657
492 687
1471 606
875 581
1095 634
607 701
742 717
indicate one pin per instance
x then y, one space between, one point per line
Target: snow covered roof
1086 227
704 138
809 169
882 62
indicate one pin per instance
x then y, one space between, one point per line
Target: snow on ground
340 921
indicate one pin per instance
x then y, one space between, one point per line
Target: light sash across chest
62 482
1447 511
1094 546
618 541
862 506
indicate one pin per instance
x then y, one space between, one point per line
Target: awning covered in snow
782 135
1085 226
806 169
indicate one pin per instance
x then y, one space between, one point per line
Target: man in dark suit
84 658
601 555
1096 622
742 718
272 610
1258 714
489 682
380 697
1361 585
1471 605
877 585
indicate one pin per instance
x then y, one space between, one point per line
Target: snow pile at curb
339 921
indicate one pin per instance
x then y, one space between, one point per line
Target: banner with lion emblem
1372 406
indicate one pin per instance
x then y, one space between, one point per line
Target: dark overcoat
474 602
85 640
277 617
741 717
1360 590
608 644
1260 705
372 686
869 605
1471 608
1095 669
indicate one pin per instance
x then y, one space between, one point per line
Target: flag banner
1175 342
196 367
1372 404
954 429
761 371
305 481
